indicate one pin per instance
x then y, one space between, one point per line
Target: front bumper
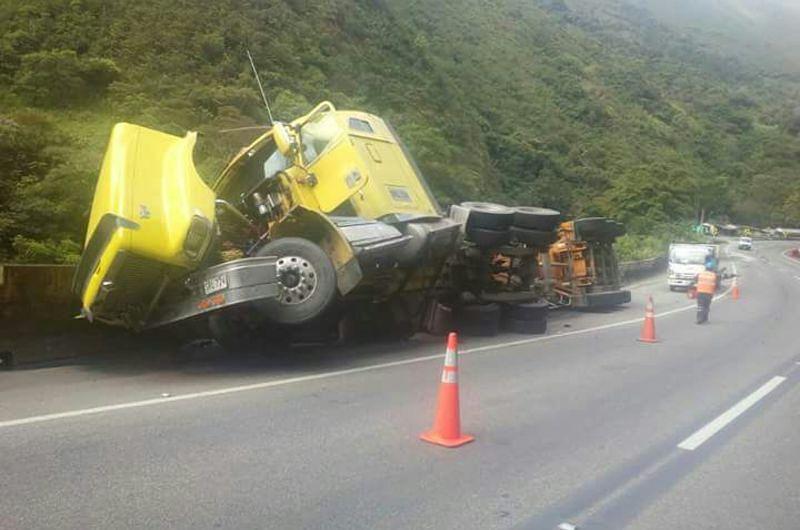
225 285
678 281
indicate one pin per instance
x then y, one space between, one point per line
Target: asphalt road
584 426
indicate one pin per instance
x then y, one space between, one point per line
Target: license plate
215 283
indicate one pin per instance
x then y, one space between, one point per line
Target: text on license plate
215 283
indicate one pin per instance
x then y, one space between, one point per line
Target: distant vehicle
745 243
686 261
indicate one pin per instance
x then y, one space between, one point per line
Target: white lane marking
797 277
717 424
325 375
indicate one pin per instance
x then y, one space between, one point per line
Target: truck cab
686 261
340 181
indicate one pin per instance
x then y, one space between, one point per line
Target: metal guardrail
630 270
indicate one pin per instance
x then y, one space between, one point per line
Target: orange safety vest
706 282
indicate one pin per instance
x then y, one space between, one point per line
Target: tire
488 215
536 218
530 311
593 228
307 278
525 327
440 319
486 238
234 329
479 320
618 230
535 238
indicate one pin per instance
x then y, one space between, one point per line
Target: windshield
688 255
316 135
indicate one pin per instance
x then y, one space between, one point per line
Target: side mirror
283 139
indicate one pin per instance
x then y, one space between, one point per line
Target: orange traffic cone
735 292
649 326
447 425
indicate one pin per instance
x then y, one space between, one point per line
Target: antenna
261 88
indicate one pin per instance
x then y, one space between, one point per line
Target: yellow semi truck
320 225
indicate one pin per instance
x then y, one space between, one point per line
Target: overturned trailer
582 266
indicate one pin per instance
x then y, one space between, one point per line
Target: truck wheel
525 327
535 238
530 311
234 329
486 238
536 218
440 319
488 215
480 320
307 280
617 228
593 228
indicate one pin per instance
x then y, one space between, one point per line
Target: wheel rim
297 278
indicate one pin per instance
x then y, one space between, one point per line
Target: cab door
339 175
328 155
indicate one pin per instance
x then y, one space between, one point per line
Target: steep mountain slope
764 32
587 106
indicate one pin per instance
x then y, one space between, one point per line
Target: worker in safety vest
706 283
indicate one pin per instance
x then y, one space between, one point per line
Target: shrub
61 77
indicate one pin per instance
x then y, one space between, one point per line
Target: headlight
197 236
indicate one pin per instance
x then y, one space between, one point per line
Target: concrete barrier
42 292
38 324
37 310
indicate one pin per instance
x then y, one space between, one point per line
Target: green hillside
588 107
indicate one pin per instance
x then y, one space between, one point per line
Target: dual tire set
486 320
491 225
598 229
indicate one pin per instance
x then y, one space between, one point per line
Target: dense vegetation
591 107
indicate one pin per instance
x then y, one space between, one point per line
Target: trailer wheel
307 281
535 218
530 311
486 238
594 228
488 215
525 327
480 320
535 238
618 229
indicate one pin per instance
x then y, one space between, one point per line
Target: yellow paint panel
340 174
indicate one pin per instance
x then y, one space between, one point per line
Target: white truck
686 261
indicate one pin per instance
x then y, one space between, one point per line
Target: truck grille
134 281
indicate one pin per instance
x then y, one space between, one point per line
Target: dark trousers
703 306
